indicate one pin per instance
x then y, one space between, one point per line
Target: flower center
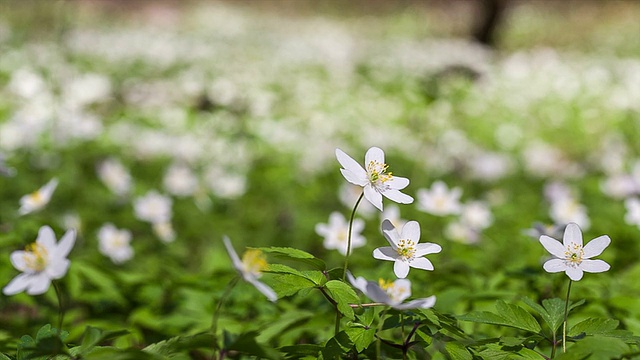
406 249
35 257
378 173
573 255
254 262
395 293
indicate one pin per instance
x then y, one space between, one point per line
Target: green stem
60 309
379 341
216 313
553 345
564 325
346 257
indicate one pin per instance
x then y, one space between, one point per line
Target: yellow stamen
35 257
406 249
574 254
254 261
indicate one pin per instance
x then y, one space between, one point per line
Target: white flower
164 231
40 262
439 200
632 217
375 180
349 194
38 199
179 180
567 210
153 207
460 232
250 268
405 250
336 232
390 293
392 213
476 215
115 176
115 243
571 257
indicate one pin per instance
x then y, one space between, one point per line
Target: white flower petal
385 253
553 246
411 231
373 196
18 260
359 283
596 246
572 234
353 178
421 263
17 285
375 293
57 268
264 289
38 284
233 255
397 196
401 269
425 303
427 248
374 154
554 265
66 243
390 233
397 183
349 164
574 273
594 266
47 238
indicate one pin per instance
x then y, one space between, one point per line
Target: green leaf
94 336
510 315
246 343
361 337
457 351
344 296
301 350
337 346
180 344
596 347
111 353
517 316
593 326
296 255
288 284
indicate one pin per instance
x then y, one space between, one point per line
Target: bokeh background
233 110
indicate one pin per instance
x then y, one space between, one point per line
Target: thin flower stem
216 313
60 309
346 257
379 341
566 312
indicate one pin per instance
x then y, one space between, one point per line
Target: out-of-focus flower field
162 127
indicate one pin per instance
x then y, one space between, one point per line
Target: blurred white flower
392 213
153 207
439 200
179 180
632 217
164 231
115 243
349 194
476 215
38 199
40 262
4 169
375 180
461 232
336 233
405 250
251 266
569 210
225 185
619 186
571 257
115 176
390 293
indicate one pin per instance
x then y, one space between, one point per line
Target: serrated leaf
246 343
361 337
296 255
337 346
288 284
593 326
517 316
344 296
456 351
483 317
180 344
596 347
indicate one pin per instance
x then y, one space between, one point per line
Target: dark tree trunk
490 14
